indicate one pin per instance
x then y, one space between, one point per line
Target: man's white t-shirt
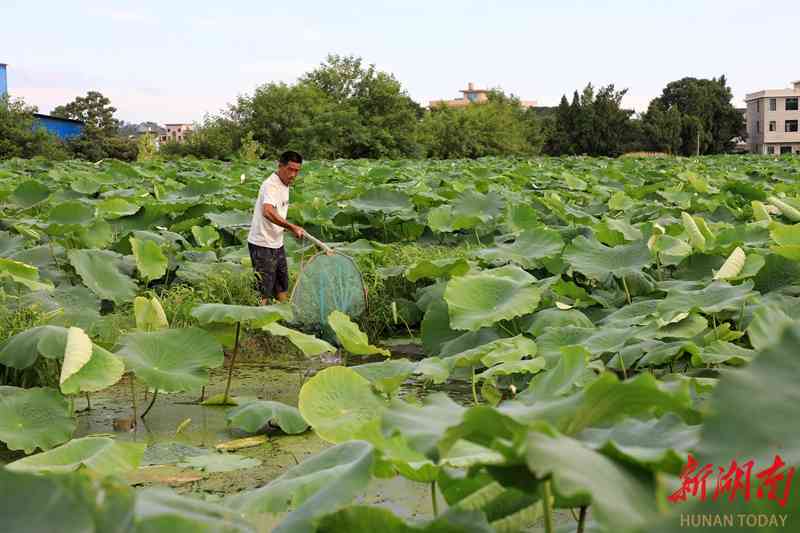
263 232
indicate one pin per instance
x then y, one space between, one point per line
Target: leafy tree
662 128
714 118
19 136
214 138
593 124
386 116
497 127
100 138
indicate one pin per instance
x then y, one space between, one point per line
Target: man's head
289 165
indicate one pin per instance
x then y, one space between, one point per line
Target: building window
786 150
758 106
790 126
791 104
772 125
758 126
770 149
773 104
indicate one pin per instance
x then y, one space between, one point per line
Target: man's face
288 172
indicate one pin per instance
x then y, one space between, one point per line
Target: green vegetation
606 318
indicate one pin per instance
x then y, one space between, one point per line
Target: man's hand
297 231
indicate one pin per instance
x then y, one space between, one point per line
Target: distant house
176 133
154 130
471 95
64 128
773 120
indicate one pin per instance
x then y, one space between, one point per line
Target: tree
19 135
593 124
662 128
387 118
214 138
497 127
713 116
100 137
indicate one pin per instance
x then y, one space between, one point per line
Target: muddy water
203 427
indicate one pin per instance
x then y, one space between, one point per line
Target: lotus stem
714 321
622 366
627 292
88 402
582 519
133 395
434 503
202 395
155 395
474 392
548 507
233 362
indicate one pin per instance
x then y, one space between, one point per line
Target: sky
175 61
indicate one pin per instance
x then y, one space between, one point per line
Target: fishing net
327 283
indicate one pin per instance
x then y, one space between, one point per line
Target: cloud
130 16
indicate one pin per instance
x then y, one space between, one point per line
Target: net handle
324 247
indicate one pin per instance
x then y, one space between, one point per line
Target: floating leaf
253 416
219 462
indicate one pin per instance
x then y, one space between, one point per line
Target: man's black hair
290 156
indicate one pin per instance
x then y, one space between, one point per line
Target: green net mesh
327 283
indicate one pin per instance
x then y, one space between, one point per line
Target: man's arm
271 214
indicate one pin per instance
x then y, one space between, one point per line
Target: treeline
347 109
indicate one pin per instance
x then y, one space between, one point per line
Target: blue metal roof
64 128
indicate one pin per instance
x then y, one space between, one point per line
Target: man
265 240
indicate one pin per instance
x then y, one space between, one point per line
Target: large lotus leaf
70 213
103 370
683 328
172 360
777 272
619 498
498 351
219 462
314 488
351 337
253 416
528 366
85 185
605 401
103 455
159 510
769 321
98 234
231 314
23 274
205 236
719 352
596 341
437 268
34 418
386 376
29 193
77 353
671 250
365 518
149 314
483 207
435 329
527 249
308 344
716 297
112 208
469 340
229 218
22 504
557 318
559 380
422 426
23 349
100 271
435 369
150 260
480 300
338 403
613 231
521 217
658 444
637 313
382 201
598 261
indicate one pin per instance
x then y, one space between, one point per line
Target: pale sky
175 60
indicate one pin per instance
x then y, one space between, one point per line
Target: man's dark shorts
272 273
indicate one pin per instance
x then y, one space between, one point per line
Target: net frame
304 265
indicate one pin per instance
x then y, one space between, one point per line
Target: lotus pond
555 344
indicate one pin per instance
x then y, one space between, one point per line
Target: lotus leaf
34 418
253 416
